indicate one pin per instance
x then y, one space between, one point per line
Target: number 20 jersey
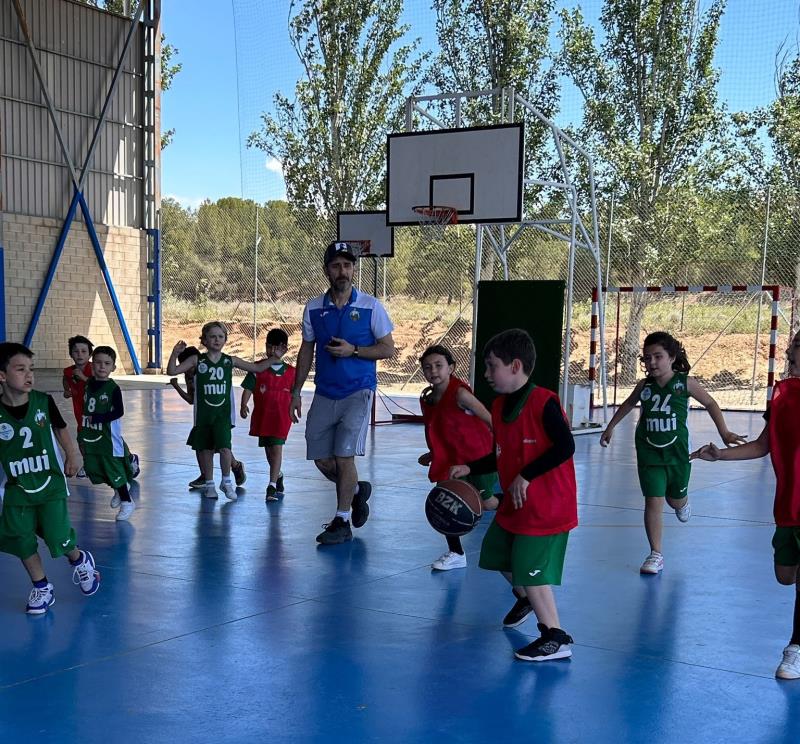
662 437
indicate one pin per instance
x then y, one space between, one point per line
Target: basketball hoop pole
476 281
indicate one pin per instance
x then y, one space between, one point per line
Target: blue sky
204 159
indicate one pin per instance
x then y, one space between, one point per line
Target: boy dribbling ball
780 438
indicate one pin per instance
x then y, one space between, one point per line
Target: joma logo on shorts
448 502
30 465
656 425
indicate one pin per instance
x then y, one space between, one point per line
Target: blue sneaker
39 600
86 575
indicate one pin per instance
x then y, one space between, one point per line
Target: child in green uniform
105 458
214 412
662 437
33 489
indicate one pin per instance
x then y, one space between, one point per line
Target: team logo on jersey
202 368
6 432
226 361
679 387
104 398
40 418
646 393
354 315
497 450
262 389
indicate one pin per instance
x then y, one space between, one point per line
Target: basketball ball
453 507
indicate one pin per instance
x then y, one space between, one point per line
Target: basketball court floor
226 622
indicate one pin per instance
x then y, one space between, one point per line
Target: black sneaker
518 614
135 469
279 483
272 493
338 531
360 505
238 473
198 482
553 644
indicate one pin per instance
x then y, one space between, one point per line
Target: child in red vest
533 456
781 439
271 391
457 429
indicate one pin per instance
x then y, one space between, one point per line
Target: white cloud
274 166
187 202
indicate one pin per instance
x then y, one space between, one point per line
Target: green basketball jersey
662 436
103 439
30 460
213 397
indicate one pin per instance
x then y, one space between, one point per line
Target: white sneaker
81 473
115 500
449 561
653 564
229 490
684 512
789 668
39 600
209 492
125 510
86 575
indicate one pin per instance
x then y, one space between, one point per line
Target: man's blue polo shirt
361 322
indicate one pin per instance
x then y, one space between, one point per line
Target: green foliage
331 139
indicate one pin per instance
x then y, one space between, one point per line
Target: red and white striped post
773 340
593 348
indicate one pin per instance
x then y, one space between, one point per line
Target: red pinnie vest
552 503
784 450
454 436
272 396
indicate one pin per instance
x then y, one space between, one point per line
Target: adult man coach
349 330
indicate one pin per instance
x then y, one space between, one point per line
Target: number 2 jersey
31 469
662 437
213 391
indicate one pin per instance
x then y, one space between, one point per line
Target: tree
487 44
331 139
650 116
170 67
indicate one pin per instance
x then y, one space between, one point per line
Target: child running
237 467
104 455
781 439
457 430
74 381
662 437
214 414
33 490
271 391
527 540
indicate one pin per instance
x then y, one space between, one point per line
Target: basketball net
434 220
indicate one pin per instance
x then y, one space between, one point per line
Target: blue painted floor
225 622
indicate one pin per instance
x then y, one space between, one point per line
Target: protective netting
253 262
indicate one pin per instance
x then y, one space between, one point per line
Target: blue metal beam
2 295
154 299
98 252
51 270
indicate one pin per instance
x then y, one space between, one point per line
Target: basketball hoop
434 219
360 248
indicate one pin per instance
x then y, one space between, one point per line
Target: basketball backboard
477 170
371 226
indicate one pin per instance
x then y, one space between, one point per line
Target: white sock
226 478
356 489
273 484
344 515
209 482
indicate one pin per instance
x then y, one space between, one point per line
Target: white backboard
367 226
477 170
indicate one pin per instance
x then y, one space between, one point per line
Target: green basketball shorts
659 481
786 544
113 471
211 435
20 525
532 560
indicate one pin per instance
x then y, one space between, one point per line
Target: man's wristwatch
355 351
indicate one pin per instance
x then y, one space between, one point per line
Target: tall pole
255 289
760 297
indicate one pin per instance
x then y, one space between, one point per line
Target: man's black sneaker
198 482
279 483
238 473
518 614
272 493
360 505
338 531
553 644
